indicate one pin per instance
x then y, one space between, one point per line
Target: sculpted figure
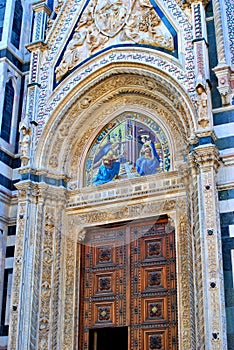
71 55
105 21
95 39
203 119
110 16
145 3
131 30
25 141
145 27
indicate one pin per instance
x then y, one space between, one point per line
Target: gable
103 26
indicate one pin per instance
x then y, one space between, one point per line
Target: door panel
129 280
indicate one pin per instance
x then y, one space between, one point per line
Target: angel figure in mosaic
109 169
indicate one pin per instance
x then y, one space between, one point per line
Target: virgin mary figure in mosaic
149 161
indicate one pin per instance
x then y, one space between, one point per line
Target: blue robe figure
109 168
149 160
106 174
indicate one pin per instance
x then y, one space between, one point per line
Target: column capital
223 73
207 156
26 189
37 45
41 6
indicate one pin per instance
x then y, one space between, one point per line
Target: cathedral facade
117 185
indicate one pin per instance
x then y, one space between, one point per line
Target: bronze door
128 279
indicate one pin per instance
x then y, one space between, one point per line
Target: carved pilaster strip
57 276
13 329
46 281
70 275
207 159
219 33
21 308
185 278
37 266
198 273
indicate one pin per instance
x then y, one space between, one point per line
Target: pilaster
23 268
185 276
222 70
35 316
210 289
204 109
71 261
41 12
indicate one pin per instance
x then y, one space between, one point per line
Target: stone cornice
162 187
42 176
41 6
206 133
36 46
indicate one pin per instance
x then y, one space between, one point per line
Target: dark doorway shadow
108 338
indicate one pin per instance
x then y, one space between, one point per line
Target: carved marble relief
105 23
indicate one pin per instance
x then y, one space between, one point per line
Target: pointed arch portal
120 106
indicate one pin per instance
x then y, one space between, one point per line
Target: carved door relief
128 279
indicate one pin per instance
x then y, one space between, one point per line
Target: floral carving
155 342
104 254
155 310
154 278
104 283
104 313
154 249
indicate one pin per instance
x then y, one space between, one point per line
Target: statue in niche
25 141
202 110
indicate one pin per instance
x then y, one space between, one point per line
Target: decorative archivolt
71 129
